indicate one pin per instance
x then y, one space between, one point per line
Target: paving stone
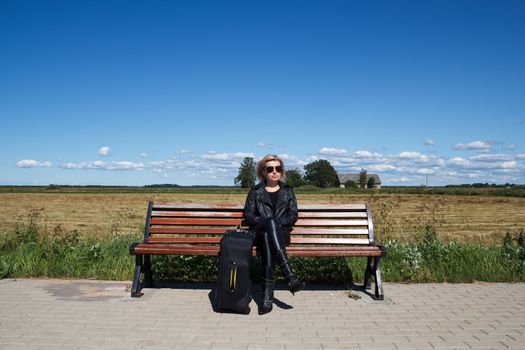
378 346
340 346
491 344
450 345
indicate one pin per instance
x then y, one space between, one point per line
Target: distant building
344 177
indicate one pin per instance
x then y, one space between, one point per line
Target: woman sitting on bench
271 211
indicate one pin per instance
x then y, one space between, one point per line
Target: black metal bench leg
135 287
368 273
377 276
148 275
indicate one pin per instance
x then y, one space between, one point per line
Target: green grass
27 253
30 252
436 261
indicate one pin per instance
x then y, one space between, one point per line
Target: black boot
268 286
278 247
293 282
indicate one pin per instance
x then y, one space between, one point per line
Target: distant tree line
319 173
485 185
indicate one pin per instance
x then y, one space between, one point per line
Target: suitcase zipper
233 276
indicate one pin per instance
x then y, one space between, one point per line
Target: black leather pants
269 238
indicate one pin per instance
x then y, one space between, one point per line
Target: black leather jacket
258 206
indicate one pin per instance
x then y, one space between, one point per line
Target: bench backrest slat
187 230
309 222
340 214
199 214
197 222
295 240
220 231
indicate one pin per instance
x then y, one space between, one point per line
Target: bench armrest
132 248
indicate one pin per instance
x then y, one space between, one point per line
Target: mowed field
483 219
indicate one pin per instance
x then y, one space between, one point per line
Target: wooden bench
193 229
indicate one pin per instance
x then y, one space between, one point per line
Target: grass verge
28 252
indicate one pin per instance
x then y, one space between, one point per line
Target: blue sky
134 93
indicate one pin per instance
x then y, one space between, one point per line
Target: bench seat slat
292 251
329 252
176 250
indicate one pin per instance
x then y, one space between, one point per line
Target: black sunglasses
270 169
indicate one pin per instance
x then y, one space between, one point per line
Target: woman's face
273 170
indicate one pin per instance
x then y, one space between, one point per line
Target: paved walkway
78 314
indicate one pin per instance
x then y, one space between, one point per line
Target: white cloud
29 163
192 163
333 151
164 164
425 171
381 168
100 165
104 151
491 157
211 165
511 164
123 166
401 179
265 145
475 175
160 172
488 167
459 161
520 156
429 142
474 145
424 158
365 154
242 155
227 156
217 156
439 162
409 155
144 155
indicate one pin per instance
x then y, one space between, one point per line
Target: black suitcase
234 282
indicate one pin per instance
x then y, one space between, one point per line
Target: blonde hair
261 166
